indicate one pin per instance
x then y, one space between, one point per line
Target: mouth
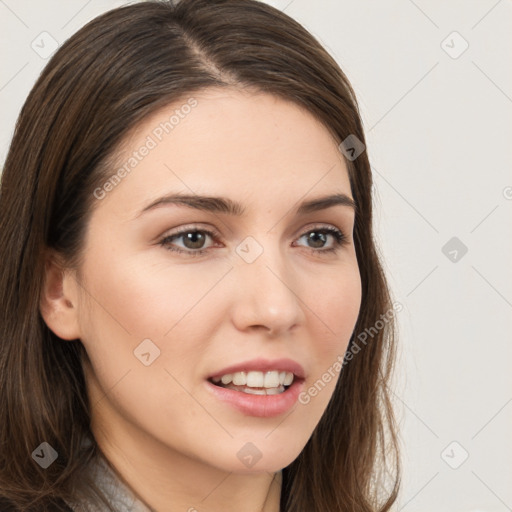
259 388
273 382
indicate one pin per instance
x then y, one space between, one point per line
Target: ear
59 299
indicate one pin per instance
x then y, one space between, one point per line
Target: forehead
219 141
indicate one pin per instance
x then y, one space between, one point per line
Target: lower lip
263 406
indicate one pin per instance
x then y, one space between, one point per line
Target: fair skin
169 438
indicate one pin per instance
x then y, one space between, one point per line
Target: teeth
256 391
240 379
272 379
254 379
288 379
226 379
274 391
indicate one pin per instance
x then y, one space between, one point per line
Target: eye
193 241
318 238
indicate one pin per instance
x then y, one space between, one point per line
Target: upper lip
263 365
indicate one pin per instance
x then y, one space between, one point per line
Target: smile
271 382
260 388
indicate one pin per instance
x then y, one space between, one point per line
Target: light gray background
439 133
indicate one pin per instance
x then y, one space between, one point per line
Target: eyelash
339 240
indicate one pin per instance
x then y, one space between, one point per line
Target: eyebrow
225 205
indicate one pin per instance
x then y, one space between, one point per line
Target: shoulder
113 490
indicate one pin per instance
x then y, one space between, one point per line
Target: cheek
335 314
337 305
143 335
149 297
135 300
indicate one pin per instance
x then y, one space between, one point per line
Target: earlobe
58 301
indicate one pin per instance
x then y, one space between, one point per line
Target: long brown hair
114 72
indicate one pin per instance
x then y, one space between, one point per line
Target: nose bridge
266 295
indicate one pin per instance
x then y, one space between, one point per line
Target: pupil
195 238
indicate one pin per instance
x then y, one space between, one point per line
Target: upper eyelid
188 229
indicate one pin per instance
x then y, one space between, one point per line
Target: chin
259 457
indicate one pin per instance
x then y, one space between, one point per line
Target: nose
267 294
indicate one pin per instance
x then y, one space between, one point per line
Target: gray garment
120 497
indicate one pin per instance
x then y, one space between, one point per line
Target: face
193 313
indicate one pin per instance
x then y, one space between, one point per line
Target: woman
188 274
